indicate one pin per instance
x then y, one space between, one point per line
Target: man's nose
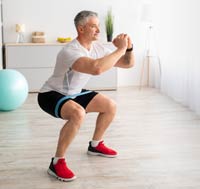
98 30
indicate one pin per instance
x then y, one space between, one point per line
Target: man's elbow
97 71
129 62
132 64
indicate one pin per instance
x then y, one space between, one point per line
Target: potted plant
109 24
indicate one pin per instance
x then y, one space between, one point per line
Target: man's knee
112 106
74 113
78 114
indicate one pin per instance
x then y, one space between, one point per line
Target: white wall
178 28
55 18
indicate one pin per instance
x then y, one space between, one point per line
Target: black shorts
52 101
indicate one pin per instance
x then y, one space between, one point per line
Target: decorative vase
109 38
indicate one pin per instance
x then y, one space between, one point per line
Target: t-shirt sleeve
71 55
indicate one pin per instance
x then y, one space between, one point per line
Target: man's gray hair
82 17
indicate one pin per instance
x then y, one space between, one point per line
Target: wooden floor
158 142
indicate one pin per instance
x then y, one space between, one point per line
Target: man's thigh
69 108
99 103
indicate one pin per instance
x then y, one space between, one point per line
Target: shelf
35 44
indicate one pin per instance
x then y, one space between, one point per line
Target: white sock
95 143
55 159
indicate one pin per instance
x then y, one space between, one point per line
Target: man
63 96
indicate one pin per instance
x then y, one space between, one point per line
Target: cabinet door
43 56
35 77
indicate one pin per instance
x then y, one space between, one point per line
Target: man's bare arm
97 66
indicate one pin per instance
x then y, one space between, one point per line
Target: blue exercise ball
13 89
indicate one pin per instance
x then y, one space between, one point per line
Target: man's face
91 29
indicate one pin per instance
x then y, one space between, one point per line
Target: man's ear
80 29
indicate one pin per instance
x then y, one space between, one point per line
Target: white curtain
179 46
181 81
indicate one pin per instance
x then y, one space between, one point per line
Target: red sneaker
61 171
101 150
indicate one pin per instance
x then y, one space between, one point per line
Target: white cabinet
36 62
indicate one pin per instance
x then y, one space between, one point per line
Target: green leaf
109 23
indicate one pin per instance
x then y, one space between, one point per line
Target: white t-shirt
65 80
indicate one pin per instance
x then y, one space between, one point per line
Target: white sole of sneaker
50 172
100 154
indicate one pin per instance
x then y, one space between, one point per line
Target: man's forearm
126 61
109 61
128 57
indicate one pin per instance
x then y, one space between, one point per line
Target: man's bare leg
75 115
107 109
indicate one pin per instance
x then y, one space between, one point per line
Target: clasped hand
122 41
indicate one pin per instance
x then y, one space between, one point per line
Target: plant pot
109 38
